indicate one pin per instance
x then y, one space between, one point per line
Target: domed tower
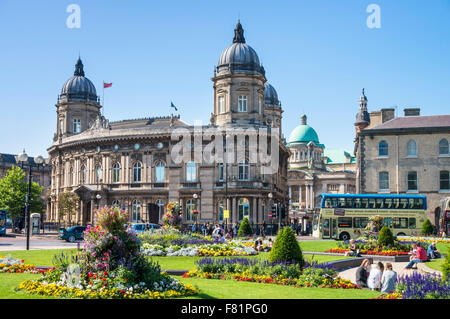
307 152
78 104
238 84
363 117
272 107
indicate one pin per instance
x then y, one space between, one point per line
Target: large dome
270 95
79 87
239 57
303 134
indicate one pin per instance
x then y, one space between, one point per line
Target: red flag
107 85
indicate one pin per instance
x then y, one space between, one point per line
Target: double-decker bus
2 222
345 216
444 219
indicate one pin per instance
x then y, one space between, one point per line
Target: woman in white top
374 279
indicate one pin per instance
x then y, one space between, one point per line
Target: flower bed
111 265
11 265
370 247
369 252
279 273
418 286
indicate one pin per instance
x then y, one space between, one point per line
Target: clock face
136 146
160 145
116 148
98 149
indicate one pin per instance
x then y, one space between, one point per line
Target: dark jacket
361 277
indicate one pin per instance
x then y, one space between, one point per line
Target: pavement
13 241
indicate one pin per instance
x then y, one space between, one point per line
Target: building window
383 182
137 170
383 149
220 210
411 149
244 208
98 171
76 125
190 206
444 181
116 173
136 211
71 177
244 169
412 181
115 204
191 172
221 104
221 174
160 176
83 174
443 147
242 103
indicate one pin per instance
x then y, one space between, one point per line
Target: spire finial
79 71
303 119
239 33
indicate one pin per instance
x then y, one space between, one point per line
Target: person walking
388 279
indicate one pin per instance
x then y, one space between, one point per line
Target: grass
8 283
230 289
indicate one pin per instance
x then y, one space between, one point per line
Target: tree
67 204
427 228
286 248
13 192
245 229
386 238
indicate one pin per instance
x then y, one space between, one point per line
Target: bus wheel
401 234
344 236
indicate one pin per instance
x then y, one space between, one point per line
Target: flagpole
103 98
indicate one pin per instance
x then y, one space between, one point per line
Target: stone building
403 155
131 163
309 176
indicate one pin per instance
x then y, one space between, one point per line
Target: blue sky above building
317 54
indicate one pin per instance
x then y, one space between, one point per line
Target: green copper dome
304 134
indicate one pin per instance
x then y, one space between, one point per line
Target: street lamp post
23 158
270 195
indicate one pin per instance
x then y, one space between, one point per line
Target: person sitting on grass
432 252
420 257
374 280
362 273
388 279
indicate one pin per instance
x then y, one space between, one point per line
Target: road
47 241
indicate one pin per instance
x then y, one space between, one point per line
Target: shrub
427 228
386 238
245 229
286 248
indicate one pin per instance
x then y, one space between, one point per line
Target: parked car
72 234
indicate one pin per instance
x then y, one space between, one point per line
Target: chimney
387 114
415 111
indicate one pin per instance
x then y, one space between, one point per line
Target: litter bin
35 223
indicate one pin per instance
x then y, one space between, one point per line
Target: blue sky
317 54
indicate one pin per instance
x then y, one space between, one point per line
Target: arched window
243 208
443 147
190 206
244 171
137 170
116 173
160 172
411 148
115 203
83 174
383 149
98 171
191 172
136 211
444 181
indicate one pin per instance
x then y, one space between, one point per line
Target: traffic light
283 212
274 211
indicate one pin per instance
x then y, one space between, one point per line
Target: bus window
328 203
334 202
412 203
341 202
403 203
345 202
357 202
345 222
388 203
379 203
371 202
348 202
412 223
396 203
360 222
416 203
364 202
400 222
387 222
